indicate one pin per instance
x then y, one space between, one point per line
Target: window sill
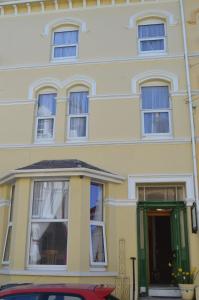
153 53
61 60
157 137
97 269
44 142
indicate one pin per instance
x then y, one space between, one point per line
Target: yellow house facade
99 142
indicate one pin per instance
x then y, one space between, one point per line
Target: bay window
151 38
97 229
65 44
46 111
49 223
78 115
6 252
155 110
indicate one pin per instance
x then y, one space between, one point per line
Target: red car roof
100 290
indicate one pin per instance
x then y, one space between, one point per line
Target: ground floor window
49 223
161 193
97 227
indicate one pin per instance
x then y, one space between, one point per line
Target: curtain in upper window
151 37
155 106
65 44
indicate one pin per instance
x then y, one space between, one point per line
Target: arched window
155 108
45 115
65 42
78 109
151 36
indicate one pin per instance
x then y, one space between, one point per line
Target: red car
56 292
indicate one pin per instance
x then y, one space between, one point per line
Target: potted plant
185 281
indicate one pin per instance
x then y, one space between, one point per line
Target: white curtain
49 202
97 243
157 122
151 30
65 43
78 103
46 105
77 126
155 97
66 37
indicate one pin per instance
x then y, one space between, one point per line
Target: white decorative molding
54 272
57 84
154 75
43 82
120 202
62 21
187 179
157 13
80 79
4 203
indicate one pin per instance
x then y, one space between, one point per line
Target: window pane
156 122
78 127
78 103
11 202
151 30
96 202
66 37
152 45
160 193
65 51
50 200
45 128
46 105
155 97
97 243
48 243
7 246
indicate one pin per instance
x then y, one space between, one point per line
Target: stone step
164 291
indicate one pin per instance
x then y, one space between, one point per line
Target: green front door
179 257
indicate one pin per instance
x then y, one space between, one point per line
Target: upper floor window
49 223
151 38
65 44
97 229
155 110
78 114
45 122
6 252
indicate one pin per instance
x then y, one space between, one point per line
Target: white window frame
37 266
151 52
9 226
51 117
102 225
70 116
53 46
151 111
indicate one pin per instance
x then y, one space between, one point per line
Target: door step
159 291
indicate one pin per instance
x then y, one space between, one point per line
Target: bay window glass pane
66 37
155 97
45 128
97 242
46 105
12 202
50 200
48 243
96 202
151 30
78 126
152 45
78 103
65 51
7 246
157 122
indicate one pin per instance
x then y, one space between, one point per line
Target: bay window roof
63 167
